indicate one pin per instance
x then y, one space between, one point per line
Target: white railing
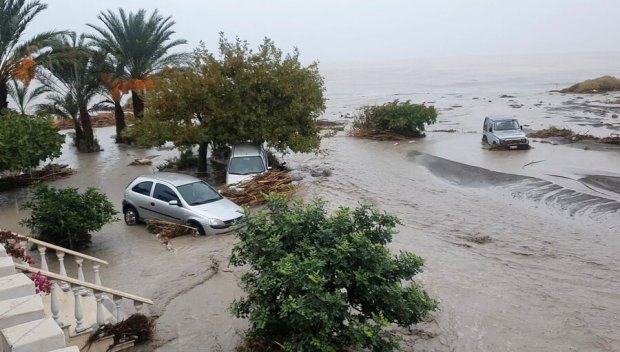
77 286
42 247
60 254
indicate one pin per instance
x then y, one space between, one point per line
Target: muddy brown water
521 247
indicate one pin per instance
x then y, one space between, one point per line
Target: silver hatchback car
181 199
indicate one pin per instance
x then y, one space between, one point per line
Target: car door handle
153 203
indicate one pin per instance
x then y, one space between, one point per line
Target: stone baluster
79 315
80 274
55 305
43 259
97 276
117 303
100 318
62 270
138 306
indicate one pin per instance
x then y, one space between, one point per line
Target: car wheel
198 227
131 215
484 140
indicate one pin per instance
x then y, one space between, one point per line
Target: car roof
501 117
172 178
245 149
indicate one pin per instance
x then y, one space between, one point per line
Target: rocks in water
614 116
321 172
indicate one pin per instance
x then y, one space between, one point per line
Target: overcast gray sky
361 30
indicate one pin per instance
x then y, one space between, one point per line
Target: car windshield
506 125
198 193
246 165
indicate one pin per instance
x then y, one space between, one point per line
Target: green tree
140 45
239 95
15 16
73 77
22 95
26 141
66 217
403 118
321 282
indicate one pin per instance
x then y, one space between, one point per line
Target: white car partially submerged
181 199
246 161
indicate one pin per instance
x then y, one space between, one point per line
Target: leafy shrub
403 118
25 141
597 85
66 217
325 283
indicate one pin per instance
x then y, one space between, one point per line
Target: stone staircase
63 320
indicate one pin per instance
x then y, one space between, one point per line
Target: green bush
403 118
597 85
66 217
321 282
25 141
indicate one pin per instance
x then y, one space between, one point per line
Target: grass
597 85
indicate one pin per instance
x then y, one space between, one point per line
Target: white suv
181 199
246 161
504 132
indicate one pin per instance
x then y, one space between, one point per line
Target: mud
521 247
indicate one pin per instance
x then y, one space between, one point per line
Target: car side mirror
521 128
174 203
269 167
490 129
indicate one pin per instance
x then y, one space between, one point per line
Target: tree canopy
25 141
238 95
139 44
15 52
320 282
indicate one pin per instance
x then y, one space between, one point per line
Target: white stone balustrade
79 325
79 258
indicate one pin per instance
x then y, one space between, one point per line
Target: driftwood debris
47 173
140 162
253 191
382 135
165 230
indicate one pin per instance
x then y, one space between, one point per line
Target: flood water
521 247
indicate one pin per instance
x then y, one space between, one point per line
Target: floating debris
253 191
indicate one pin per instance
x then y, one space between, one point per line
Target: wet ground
521 247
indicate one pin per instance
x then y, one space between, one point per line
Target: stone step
20 310
16 285
67 349
6 265
38 335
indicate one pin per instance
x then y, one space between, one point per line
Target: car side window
164 193
143 188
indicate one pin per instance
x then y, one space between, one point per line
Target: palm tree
140 43
22 96
15 16
73 77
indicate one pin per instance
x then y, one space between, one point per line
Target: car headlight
214 222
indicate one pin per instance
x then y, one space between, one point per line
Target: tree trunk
119 118
202 159
4 94
79 134
138 104
89 136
